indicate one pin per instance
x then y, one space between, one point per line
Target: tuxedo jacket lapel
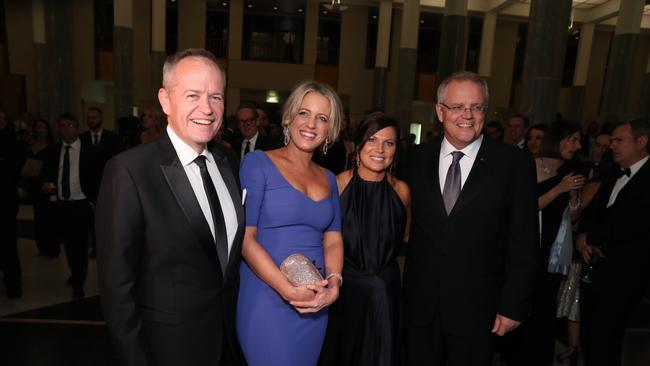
233 188
181 188
477 179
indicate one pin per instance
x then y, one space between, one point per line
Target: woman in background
149 125
292 206
534 137
375 209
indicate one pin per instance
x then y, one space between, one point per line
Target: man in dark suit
105 144
614 228
170 225
70 177
251 138
473 248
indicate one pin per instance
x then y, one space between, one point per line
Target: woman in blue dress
292 206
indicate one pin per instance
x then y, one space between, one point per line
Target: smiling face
378 151
247 122
569 145
309 127
193 101
461 128
601 144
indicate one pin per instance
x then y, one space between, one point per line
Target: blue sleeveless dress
271 331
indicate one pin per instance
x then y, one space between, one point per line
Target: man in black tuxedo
473 248
105 144
251 138
70 176
170 225
614 227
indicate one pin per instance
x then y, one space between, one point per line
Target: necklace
544 167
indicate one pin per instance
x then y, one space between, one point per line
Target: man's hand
503 325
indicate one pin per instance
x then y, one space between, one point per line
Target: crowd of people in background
589 263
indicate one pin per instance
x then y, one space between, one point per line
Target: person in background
534 137
495 130
292 206
375 209
149 126
517 125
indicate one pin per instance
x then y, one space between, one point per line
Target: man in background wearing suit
70 177
614 227
169 230
251 139
473 247
105 144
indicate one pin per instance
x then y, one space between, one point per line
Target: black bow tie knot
621 172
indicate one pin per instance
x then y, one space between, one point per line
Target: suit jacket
480 259
263 143
622 231
165 299
89 176
109 145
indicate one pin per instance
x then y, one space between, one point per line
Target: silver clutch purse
299 270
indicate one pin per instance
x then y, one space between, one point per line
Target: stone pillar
625 44
58 32
407 64
645 93
544 60
40 59
581 71
453 39
191 24
487 44
158 42
235 30
311 32
123 57
381 57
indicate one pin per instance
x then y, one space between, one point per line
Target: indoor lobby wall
20 49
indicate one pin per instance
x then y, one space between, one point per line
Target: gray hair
459 76
200 53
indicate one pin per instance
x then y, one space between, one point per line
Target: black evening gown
362 328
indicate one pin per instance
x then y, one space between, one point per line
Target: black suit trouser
433 345
73 218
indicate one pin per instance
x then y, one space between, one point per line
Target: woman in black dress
375 208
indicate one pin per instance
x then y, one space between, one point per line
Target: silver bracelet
337 276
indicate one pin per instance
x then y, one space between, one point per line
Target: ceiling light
335 6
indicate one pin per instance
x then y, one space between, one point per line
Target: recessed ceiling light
250 5
224 3
275 8
374 17
300 10
324 11
421 21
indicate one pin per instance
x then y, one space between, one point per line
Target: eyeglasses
248 121
458 109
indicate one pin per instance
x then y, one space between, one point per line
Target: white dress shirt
76 193
186 155
622 181
253 141
466 162
98 134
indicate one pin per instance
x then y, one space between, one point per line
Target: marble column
453 39
191 24
581 71
311 33
123 57
407 64
235 31
625 44
381 56
40 59
544 60
58 32
158 42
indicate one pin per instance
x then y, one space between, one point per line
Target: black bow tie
623 172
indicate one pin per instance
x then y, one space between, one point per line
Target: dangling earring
325 146
285 132
357 159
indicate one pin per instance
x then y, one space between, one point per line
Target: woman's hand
297 293
324 296
571 182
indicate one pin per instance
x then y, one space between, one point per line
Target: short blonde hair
293 103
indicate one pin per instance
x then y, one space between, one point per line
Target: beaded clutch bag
299 270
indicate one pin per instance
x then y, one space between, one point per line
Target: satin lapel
233 188
477 179
180 186
638 178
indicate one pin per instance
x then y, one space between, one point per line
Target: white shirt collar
253 139
75 145
469 151
185 153
636 166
